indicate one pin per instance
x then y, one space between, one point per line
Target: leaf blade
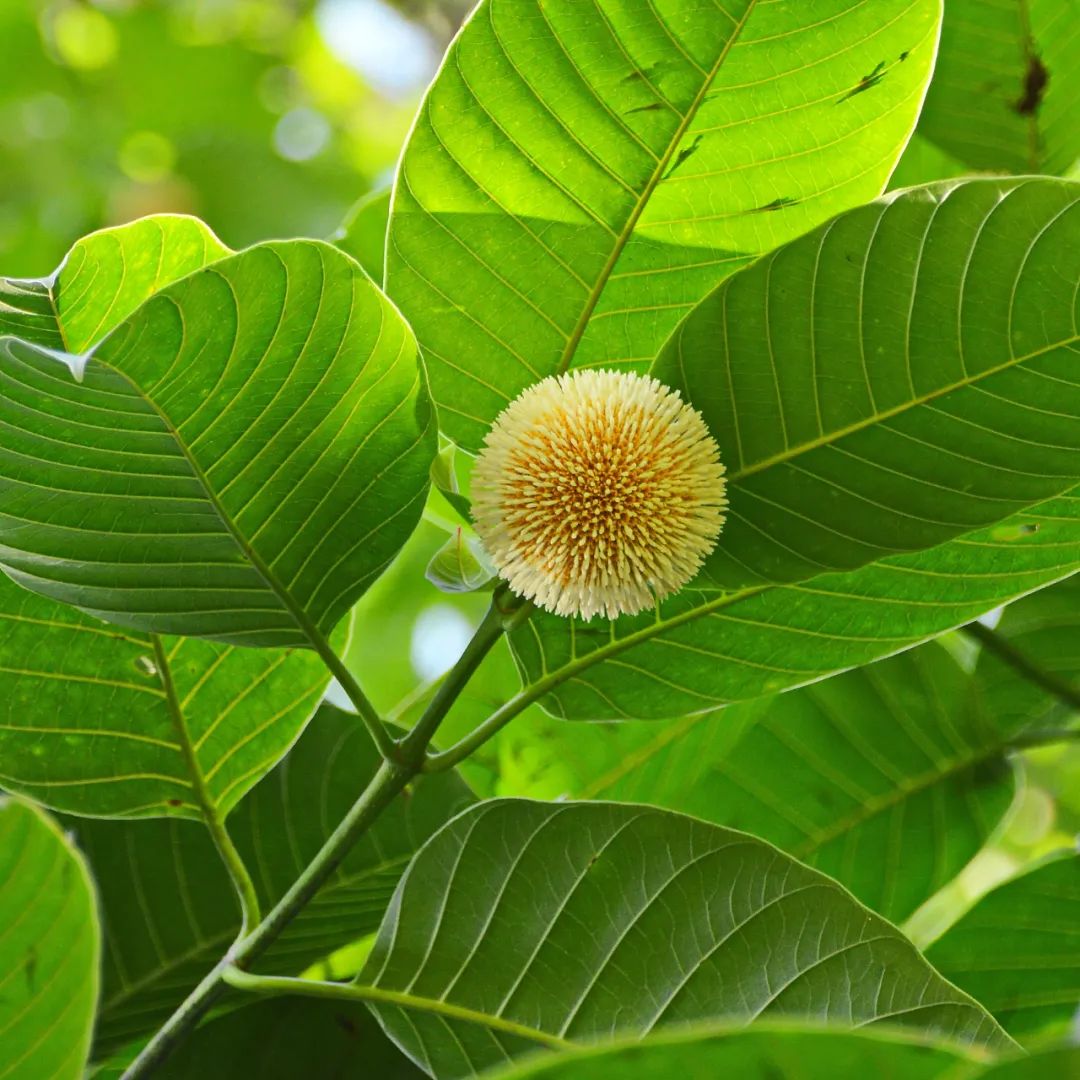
592 219
551 937
206 545
50 949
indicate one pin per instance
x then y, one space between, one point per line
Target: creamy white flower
598 492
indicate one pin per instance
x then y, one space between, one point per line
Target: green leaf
103 279
460 565
167 905
445 480
49 948
238 459
767 1052
1006 85
893 776
924 162
363 232
524 925
1058 1061
102 721
581 174
904 375
1018 950
282 1039
702 650
1045 627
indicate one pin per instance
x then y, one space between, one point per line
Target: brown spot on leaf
1035 79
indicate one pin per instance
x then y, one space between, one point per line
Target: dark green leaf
1045 628
1018 949
49 949
289 1039
581 174
893 776
775 1051
524 925
706 650
168 907
902 376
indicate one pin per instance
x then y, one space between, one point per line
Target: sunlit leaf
581 174
238 459
110 722
1006 85
103 279
49 948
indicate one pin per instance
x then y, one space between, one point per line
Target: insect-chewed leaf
580 174
1005 86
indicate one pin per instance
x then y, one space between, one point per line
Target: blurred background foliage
281 118
263 117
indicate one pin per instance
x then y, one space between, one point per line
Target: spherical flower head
598 492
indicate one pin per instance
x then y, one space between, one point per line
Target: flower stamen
598 492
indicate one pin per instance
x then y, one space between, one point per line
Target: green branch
234 864
378 731
405 761
1004 649
273 985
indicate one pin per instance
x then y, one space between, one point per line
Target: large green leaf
287 1039
893 776
702 650
1018 949
168 907
1057 1061
580 174
103 279
768 1052
1006 85
238 459
98 720
524 925
49 949
903 375
1045 628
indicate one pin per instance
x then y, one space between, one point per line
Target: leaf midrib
624 235
831 437
299 616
